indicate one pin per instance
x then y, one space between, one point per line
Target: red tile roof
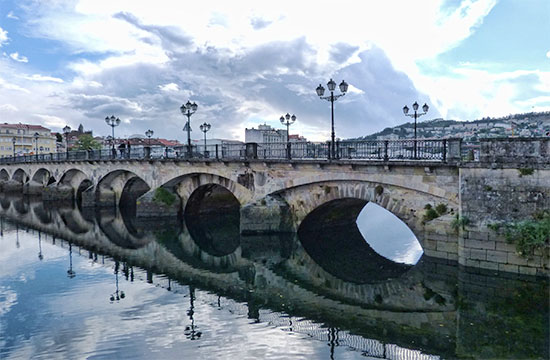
23 126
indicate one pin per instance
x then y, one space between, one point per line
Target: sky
246 63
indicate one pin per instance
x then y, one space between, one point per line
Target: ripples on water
166 295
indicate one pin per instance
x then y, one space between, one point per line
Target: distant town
29 139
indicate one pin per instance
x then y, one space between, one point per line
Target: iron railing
370 150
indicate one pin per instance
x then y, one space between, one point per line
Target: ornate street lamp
149 133
204 128
13 140
416 115
112 122
188 109
66 131
36 136
332 98
288 120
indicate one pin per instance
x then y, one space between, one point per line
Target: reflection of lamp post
149 133
36 136
190 331
13 140
70 273
67 131
204 128
289 121
332 98
40 256
416 115
112 122
117 295
188 109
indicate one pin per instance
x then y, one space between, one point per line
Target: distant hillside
527 124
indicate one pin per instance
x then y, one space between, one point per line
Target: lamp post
332 98
112 122
188 109
288 120
13 140
416 115
204 128
70 273
149 133
36 136
66 131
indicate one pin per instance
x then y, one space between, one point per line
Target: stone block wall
515 150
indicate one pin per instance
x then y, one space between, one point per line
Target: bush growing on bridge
164 196
529 235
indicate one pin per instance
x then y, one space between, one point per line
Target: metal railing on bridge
376 150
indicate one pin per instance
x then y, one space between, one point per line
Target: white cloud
20 58
11 15
169 87
51 120
38 77
548 54
3 36
8 108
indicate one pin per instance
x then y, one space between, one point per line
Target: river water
87 284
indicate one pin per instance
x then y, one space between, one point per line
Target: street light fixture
112 122
332 98
13 140
36 136
66 131
204 128
188 109
288 120
149 133
416 115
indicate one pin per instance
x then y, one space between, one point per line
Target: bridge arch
120 184
43 177
405 204
186 184
4 175
20 176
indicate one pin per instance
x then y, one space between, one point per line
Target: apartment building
25 139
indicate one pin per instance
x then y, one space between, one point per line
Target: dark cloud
341 52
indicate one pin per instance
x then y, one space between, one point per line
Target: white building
265 134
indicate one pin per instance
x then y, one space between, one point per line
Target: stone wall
515 150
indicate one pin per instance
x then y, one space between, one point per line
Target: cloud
548 54
11 15
8 108
38 77
20 58
3 36
51 120
169 87
259 23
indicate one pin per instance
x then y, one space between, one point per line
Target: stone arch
185 185
43 177
4 175
72 178
111 187
20 176
405 204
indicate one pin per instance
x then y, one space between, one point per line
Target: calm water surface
101 285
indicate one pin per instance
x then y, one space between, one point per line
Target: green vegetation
164 196
488 188
441 209
86 142
526 171
433 213
528 235
459 222
378 190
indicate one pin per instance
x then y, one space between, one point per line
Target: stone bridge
277 195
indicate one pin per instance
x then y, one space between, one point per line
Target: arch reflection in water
388 236
330 235
212 216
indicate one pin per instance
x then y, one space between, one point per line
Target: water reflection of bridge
418 307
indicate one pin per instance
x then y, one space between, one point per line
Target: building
264 134
25 139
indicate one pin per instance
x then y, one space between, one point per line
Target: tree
86 142
58 137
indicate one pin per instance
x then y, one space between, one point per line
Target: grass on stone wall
528 235
164 196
